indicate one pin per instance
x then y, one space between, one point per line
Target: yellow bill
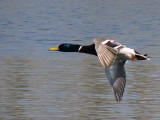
54 49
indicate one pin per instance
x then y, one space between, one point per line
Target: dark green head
66 47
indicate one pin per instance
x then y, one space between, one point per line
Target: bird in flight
112 56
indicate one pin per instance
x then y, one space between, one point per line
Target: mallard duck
112 56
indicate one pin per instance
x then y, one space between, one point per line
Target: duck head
66 47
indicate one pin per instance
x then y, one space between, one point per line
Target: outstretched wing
114 68
117 78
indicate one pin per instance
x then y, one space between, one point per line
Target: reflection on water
39 84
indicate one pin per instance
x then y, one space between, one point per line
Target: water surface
38 84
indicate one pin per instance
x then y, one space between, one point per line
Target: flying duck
112 56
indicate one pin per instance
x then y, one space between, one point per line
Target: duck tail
142 57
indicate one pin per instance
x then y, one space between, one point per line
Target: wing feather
114 68
106 55
117 78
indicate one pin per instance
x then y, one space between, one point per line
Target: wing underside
117 78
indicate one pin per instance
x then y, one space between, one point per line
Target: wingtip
118 88
117 97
